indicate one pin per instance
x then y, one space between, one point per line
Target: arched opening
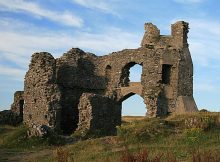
131 73
108 70
133 106
135 73
69 115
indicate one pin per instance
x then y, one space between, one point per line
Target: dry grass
132 118
62 154
141 156
166 140
144 156
206 156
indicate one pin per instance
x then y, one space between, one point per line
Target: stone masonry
18 104
82 91
95 113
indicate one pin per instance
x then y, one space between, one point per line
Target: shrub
203 120
203 110
194 136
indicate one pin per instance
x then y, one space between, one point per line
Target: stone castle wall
41 93
76 74
81 91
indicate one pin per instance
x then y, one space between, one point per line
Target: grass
189 137
127 119
16 138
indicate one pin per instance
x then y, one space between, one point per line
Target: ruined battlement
177 39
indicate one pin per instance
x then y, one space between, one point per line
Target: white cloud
112 39
17 74
17 46
104 6
204 38
65 18
188 1
24 44
93 4
6 24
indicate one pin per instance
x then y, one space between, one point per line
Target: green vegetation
189 137
16 138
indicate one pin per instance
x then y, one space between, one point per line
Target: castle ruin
84 92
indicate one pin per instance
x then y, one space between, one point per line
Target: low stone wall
98 114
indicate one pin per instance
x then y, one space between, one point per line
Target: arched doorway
134 106
131 89
131 72
108 74
135 73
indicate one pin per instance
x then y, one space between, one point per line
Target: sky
102 27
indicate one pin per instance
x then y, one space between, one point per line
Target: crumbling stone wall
42 94
18 104
94 114
76 74
77 89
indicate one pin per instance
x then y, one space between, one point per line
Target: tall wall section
76 74
53 88
41 94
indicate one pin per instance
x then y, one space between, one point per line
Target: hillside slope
189 137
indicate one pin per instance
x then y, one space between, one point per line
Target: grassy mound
189 137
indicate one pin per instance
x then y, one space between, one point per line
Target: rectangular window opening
166 73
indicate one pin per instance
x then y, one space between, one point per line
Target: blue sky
102 27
